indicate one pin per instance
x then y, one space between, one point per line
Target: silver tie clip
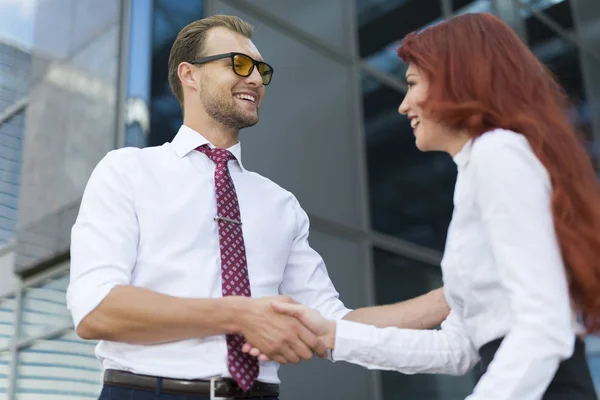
233 221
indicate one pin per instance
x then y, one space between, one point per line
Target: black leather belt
216 388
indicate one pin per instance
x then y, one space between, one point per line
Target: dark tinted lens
242 64
266 72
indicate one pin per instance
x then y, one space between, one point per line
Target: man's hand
311 319
279 336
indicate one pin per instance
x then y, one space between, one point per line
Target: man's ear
185 71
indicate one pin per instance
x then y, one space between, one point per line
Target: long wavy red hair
482 76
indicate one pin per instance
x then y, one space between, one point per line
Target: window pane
592 347
537 31
15 68
471 6
64 367
5 358
410 191
563 58
380 23
169 18
8 307
44 307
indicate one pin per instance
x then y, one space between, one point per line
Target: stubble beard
226 112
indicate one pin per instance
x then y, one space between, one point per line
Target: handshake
280 329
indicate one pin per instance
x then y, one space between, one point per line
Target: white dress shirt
503 276
147 219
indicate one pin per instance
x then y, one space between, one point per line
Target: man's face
226 97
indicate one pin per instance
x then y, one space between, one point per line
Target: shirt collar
188 140
464 155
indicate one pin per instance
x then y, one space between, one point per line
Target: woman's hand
312 319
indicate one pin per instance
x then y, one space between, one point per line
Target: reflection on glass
137 112
387 60
592 348
63 367
44 307
11 149
410 191
91 19
5 358
562 57
470 6
399 278
538 5
381 24
8 306
373 15
169 18
538 32
15 70
369 10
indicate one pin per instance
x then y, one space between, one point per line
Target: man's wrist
234 311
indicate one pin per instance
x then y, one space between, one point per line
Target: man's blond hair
190 44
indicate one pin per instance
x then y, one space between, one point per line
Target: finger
294 310
280 359
304 341
286 300
284 349
246 348
291 353
315 344
255 352
264 357
321 349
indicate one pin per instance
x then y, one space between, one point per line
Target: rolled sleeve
105 235
514 197
306 278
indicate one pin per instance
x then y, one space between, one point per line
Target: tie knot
217 155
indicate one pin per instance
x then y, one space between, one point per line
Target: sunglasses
242 65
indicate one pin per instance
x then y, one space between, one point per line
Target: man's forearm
423 312
137 315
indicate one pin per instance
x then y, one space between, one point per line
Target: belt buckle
213 389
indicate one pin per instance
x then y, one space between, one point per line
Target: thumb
293 310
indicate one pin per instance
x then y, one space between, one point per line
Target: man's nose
255 77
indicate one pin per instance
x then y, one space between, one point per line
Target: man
178 250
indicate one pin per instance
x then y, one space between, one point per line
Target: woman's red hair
482 76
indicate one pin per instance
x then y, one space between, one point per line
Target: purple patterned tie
234 270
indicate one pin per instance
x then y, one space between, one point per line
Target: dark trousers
572 381
111 392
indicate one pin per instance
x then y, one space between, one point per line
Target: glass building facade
97 80
15 65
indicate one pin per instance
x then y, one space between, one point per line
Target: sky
17 21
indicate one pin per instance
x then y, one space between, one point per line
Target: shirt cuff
352 341
81 300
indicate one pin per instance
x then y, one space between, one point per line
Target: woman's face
430 135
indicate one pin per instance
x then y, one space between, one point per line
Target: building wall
71 119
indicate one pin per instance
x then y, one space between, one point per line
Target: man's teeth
246 97
414 122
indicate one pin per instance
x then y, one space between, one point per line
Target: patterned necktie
234 270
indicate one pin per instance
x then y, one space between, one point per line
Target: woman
522 257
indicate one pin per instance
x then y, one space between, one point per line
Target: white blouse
503 277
